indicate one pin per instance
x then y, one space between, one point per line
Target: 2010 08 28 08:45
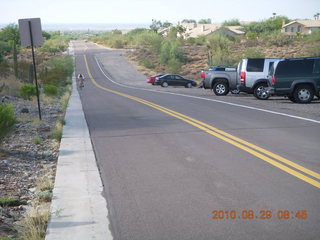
248 214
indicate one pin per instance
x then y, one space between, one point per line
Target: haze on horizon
143 11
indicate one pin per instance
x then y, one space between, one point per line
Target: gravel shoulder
26 154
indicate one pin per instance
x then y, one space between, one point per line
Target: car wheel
164 84
260 91
220 88
188 85
303 94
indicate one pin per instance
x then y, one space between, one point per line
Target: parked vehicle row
296 78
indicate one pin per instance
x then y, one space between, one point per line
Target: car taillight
243 77
274 80
203 75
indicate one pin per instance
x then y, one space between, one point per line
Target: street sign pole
35 69
31 35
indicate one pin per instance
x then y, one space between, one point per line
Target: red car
151 79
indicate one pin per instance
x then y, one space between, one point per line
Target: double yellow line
282 163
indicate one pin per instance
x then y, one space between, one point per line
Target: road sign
30 32
31 35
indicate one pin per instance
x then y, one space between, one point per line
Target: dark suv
296 78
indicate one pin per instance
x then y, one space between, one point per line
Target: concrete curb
78 208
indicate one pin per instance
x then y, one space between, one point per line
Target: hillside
197 55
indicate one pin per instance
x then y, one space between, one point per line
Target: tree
46 35
155 25
189 21
270 25
10 32
205 21
232 22
166 24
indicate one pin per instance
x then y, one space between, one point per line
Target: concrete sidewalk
78 208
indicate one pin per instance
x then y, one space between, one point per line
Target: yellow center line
235 141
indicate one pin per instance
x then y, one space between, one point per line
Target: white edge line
202 98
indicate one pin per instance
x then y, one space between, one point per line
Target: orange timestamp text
259 214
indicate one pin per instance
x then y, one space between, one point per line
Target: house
195 30
233 31
305 27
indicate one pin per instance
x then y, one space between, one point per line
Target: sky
143 11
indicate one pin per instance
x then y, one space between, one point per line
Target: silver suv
252 75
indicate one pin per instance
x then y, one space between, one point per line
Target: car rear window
295 67
255 65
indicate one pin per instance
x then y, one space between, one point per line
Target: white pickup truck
221 79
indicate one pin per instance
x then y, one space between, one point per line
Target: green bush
278 39
313 50
27 91
170 50
58 71
174 65
7 119
147 63
50 90
11 201
251 52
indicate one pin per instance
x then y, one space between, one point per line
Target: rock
43 127
24 110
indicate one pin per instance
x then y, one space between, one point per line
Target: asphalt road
198 166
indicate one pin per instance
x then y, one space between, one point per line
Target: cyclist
81 80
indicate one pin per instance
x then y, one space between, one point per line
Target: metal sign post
31 35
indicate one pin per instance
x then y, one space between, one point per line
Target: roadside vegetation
16 70
155 53
54 72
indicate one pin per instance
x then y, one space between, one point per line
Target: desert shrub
252 52
278 39
170 50
11 201
149 39
4 68
50 90
218 47
251 35
314 36
27 91
218 43
222 60
7 119
267 26
58 71
313 50
146 63
174 65
201 40
36 140
232 22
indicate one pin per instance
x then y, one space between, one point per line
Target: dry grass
34 224
11 86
